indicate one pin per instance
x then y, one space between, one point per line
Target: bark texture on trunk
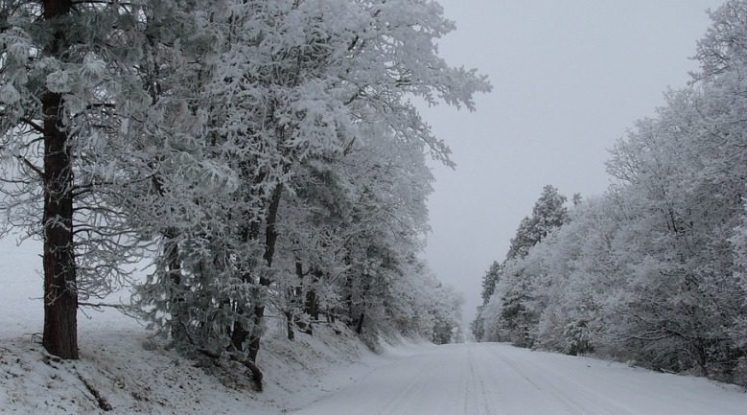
176 293
311 306
60 293
271 236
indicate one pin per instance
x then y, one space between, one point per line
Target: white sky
569 77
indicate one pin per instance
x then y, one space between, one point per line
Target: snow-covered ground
120 362
134 378
326 374
490 378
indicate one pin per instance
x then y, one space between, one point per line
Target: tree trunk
289 319
311 310
176 291
271 237
311 306
359 324
311 303
239 333
297 298
60 336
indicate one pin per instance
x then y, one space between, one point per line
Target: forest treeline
264 155
653 271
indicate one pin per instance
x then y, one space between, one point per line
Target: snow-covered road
482 379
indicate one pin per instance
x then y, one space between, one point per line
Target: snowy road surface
487 378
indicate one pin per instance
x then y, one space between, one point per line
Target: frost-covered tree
489 280
579 280
549 212
516 318
67 95
653 271
266 154
350 226
295 97
446 311
34 133
491 277
387 223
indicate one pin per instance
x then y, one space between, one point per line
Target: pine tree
489 280
548 213
514 291
60 293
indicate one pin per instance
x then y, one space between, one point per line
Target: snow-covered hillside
118 363
123 365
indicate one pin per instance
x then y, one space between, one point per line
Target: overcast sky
569 78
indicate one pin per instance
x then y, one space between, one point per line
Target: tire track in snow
557 385
476 393
603 403
415 385
496 379
545 387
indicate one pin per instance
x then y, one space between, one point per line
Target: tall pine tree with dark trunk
60 294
